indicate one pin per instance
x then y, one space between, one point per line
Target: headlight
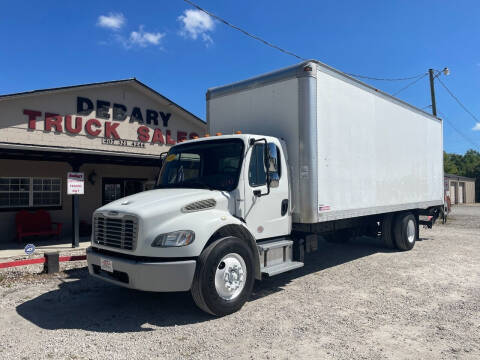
176 238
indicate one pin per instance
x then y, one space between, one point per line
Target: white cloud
195 24
112 21
141 38
476 127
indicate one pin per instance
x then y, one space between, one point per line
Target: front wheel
224 277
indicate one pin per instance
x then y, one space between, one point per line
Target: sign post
75 187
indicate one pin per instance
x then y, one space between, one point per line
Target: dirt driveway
354 300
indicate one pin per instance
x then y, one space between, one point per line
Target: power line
245 32
385 79
265 42
458 101
410 84
459 132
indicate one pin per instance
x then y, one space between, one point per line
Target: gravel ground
354 300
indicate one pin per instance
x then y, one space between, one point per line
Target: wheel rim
230 276
411 231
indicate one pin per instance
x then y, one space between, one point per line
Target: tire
228 258
405 231
386 227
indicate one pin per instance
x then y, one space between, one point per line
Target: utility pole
432 92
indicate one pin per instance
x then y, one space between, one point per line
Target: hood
163 200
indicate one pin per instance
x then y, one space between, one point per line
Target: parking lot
354 300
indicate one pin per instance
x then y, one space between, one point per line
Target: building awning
75 155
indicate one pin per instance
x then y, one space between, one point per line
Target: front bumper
146 276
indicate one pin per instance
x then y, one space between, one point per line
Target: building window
117 188
26 192
14 192
46 192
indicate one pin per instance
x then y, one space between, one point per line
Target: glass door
117 188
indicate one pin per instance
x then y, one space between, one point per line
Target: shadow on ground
83 302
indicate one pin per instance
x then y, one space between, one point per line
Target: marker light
238 132
207 135
218 134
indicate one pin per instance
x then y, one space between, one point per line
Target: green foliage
464 165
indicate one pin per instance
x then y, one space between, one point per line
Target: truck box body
353 150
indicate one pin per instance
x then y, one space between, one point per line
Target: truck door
267 214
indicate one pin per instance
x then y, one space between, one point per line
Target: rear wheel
224 277
386 228
405 231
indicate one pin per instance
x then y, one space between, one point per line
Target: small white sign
106 265
75 183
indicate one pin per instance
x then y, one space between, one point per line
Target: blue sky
181 53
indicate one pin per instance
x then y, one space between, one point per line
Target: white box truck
297 153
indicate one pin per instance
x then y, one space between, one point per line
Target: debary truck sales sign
123 116
107 125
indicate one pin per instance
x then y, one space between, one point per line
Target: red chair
37 223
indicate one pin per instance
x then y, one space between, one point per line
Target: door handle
284 206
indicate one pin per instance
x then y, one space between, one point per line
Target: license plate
106 265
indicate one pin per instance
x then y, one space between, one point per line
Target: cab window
257 175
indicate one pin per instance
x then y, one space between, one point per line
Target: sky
181 52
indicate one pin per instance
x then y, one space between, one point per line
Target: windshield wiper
190 184
198 183
202 184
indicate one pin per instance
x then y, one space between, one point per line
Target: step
281 268
276 256
273 244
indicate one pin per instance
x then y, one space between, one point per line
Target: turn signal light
238 132
218 134
207 135
195 137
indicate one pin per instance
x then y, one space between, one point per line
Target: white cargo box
353 150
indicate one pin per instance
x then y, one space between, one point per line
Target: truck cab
214 199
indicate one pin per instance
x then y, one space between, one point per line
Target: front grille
117 232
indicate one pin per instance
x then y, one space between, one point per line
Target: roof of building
454 176
132 81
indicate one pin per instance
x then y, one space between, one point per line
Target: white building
113 132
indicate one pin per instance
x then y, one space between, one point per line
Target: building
113 132
461 189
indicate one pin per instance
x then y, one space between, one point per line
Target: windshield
212 164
